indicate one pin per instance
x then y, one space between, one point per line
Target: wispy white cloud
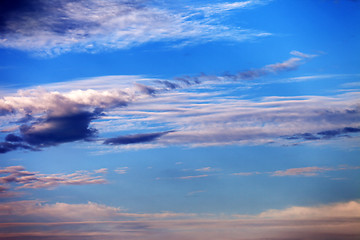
302 55
62 26
121 170
194 176
97 221
194 193
227 6
101 170
246 173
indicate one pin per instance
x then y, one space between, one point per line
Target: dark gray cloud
135 138
10 8
59 129
51 131
324 135
338 132
304 136
168 84
23 16
8 146
13 138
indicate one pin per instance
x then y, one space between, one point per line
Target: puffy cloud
55 27
337 221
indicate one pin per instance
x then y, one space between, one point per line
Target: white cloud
97 25
193 177
121 170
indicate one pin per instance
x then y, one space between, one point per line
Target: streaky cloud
54 27
336 221
135 138
22 179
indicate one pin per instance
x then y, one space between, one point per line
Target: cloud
227 6
55 114
246 173
51 131
55 27
276 68
135 138
122 170
304 171
8 146
54 117
338 210
194 193
328 134
206 169
25 179
302 55
59 129
336 221
101 170
192 177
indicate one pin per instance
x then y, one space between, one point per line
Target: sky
157 119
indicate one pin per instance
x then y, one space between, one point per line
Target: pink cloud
192 177
96 221
306 171
24 179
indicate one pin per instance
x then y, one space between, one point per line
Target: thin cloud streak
22 179
303 172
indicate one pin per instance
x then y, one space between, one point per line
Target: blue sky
179 119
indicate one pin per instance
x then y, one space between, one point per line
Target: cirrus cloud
55 27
